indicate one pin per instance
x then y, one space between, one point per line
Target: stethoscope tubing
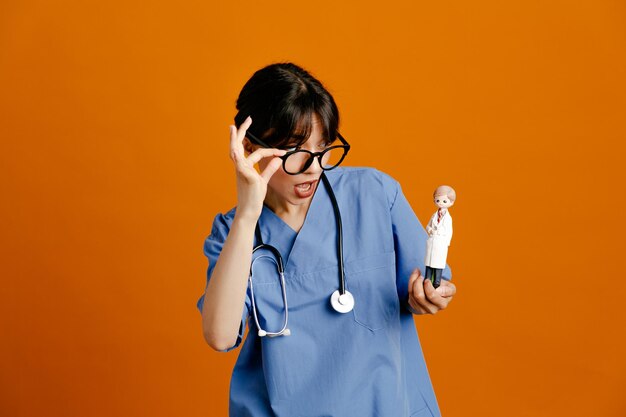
284 291
278 260
342 280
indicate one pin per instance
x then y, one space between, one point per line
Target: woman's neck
292 214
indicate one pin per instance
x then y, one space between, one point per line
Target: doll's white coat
437 244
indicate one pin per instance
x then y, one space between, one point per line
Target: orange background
114 127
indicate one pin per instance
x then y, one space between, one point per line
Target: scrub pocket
372 282
424 412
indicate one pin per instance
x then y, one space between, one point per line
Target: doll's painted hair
445 190
282 98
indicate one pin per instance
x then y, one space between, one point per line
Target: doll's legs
434 275
429 272
438 272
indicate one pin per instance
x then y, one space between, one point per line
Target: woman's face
297 189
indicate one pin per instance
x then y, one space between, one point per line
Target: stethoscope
341 300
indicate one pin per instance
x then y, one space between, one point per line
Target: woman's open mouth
305 189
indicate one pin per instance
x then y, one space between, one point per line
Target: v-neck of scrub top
276 232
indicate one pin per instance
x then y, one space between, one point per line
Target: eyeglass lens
296 162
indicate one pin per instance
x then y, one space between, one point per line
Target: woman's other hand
426 299
251 186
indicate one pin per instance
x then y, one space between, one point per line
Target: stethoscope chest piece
342 303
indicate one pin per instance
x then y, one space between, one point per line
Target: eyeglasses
297 161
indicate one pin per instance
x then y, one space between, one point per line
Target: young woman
324 259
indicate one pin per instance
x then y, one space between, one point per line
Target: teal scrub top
367 362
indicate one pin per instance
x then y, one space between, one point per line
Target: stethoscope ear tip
263 333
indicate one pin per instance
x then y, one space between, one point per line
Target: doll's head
444 196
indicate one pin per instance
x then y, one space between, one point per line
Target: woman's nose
315 167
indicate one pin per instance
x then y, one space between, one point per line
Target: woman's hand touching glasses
251 186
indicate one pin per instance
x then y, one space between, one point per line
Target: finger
241 133
261 153
271 168
446 289
236 148
416 308
420 296
434 297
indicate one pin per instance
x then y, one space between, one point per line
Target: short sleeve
212 248
409 237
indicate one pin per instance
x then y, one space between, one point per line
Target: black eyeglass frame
319 155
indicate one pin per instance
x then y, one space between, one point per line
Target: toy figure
439 231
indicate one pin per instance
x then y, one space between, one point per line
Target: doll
439 231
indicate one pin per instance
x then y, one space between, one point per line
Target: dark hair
281 98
